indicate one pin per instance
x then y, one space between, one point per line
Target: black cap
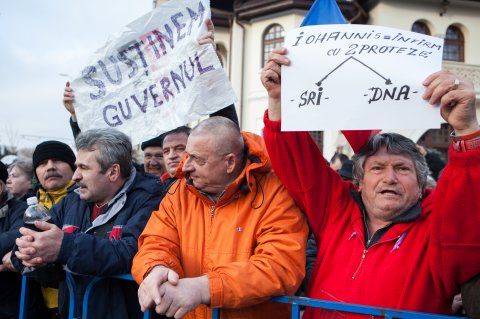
53 150
3 172
156 141
347 170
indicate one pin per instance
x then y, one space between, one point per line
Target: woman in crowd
19 181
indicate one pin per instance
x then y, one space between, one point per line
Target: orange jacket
250 244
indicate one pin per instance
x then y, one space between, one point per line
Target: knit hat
3 172
53 150
347 170
156 141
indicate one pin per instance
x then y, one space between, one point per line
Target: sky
42 45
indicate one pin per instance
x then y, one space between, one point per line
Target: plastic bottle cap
32 200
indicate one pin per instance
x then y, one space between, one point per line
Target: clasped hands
38 248
163 290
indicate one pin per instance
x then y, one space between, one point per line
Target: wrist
274 110
204 286
66 248
469 129
466 142
152 269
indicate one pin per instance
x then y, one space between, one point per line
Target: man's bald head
216 158
224 134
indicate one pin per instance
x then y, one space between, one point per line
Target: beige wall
222 40
242 46
397 14
465 15
254 94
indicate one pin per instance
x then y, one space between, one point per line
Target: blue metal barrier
387 313
72 290
23 314
72 293
296 302
91 285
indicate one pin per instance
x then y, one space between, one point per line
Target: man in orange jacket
227 234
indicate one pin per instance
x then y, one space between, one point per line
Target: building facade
246 31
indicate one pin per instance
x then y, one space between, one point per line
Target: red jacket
418 265
251 243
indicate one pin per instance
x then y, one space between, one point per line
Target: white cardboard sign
353 77
153 76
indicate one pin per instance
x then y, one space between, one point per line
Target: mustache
52 174
80 184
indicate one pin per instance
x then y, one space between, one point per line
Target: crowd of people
220 218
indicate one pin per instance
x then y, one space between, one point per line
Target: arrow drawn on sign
387 81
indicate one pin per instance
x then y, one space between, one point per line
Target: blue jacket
11 212
105 247
11 219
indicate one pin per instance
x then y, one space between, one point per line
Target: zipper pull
212 212
365 251
364 254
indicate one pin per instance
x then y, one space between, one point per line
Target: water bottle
34 212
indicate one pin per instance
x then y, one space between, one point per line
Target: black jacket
105 247
11 219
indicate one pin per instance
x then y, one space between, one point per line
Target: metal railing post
90 286
295 310
215 313
23 314
72 294
86 296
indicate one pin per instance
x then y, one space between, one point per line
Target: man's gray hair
229 139
394 144
114 148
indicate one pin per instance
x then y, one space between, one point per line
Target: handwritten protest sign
153 76
358 77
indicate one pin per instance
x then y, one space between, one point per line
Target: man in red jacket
391 243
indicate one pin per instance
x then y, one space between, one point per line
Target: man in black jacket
96 227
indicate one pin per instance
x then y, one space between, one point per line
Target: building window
438 139
454 43
421 27
273 38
